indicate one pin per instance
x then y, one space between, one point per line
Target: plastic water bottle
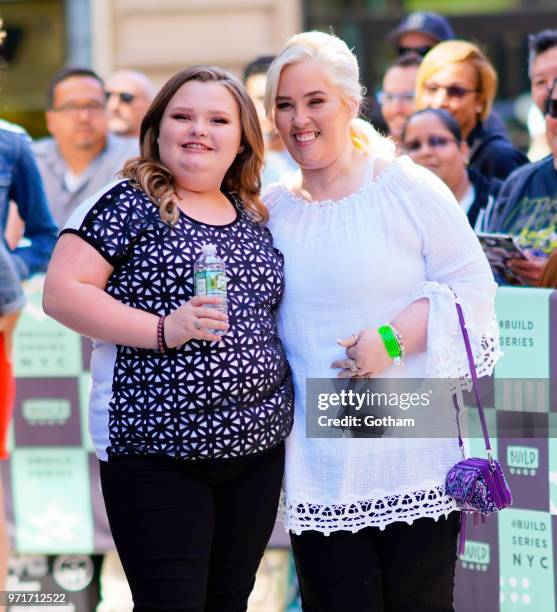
210 279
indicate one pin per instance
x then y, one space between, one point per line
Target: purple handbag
477 485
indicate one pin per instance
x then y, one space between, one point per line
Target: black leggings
405 568
191 534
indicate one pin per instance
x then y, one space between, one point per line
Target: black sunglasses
453 91
123 96
551 102
419 50
551 107
434 142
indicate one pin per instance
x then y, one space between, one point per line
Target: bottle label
210 282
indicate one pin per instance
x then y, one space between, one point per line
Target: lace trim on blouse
376 511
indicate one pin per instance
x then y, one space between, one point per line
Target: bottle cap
209 249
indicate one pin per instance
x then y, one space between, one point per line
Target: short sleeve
112 219
457 270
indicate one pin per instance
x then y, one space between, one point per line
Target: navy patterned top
200 400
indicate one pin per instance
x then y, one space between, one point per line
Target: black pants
405 568
191 534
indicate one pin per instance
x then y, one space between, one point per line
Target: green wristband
391 342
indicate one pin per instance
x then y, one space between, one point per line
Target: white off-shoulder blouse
353 264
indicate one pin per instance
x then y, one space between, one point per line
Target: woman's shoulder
117 198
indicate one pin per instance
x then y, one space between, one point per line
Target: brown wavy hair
244 175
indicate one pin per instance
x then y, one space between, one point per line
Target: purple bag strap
475 384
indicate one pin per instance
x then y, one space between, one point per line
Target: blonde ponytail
366 138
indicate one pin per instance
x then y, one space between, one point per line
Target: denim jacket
11 293
20 182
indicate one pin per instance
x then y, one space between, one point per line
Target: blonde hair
452 52
244 175
343 72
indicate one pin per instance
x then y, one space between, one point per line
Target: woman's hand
366 355
192 321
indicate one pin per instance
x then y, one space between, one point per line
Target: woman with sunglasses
432 138
456 76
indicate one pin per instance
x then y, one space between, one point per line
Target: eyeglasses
419 50
452 91
123 96
434 142
93 108
385 97
551 107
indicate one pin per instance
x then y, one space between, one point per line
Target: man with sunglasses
419 32
128 96
527 204
81 156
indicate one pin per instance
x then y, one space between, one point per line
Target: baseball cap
431 24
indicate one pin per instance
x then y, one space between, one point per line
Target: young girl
188 424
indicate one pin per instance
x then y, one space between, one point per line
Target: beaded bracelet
393 342
161 340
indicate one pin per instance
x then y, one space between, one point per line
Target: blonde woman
456 76
369 240
188 424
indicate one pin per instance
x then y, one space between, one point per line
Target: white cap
209 249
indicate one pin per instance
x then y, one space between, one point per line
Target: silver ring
197 325
353 365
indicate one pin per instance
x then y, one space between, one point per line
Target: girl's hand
366 355
192 321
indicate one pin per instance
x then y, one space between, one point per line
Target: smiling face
453 88
200 135
429 143
311 117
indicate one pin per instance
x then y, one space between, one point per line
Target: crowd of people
198 417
